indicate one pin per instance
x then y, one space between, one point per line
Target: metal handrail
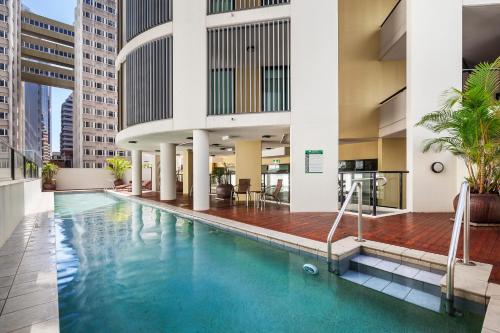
357 185
462 213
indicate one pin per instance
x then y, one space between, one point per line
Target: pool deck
429 232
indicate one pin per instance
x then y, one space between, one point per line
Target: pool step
414 285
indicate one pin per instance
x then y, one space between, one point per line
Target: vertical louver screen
223 6
148 76
249 68
146 14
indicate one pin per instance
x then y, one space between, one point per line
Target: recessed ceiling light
133 141
267 136
222 148
189 138
269 148
229 149
226 137
157 150
216 145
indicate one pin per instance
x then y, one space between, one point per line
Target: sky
64 11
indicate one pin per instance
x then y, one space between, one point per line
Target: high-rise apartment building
95 99
11 119
67 131
36 121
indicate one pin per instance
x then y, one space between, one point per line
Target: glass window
220 6
222 91
275 89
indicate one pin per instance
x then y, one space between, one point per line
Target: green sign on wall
314 161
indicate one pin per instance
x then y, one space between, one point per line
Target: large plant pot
224 191
484 208
49 187
119 182
179 187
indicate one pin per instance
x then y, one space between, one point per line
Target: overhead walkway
47 51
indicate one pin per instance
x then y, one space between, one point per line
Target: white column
155 173
136 172
167 171
201 181
315 104
434 65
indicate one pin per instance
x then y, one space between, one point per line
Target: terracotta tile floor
423 231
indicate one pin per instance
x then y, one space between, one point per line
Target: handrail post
466 259
359 186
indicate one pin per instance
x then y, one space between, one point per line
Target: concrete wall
83 179
358 151
20 198
428 76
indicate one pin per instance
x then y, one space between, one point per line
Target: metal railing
355 186
14 165
384 190
462 213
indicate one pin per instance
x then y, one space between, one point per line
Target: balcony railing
14 165
249 68
224 6
383 191
393 34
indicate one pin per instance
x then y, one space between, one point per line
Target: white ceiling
481 34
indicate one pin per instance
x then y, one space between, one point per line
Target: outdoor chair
272 193
243 187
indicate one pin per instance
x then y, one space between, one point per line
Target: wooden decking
429 232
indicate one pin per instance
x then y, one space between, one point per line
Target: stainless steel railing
462 213
356 186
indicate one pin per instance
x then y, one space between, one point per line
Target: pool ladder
356 186
462 213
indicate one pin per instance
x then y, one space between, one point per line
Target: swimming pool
126 267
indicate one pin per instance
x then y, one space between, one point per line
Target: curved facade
148 76
206 78
143 15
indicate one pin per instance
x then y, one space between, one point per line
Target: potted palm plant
118 166
468 125
224 189
49 171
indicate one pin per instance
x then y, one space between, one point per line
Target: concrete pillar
155 173
167 171
201 181
136 172
187 171
434 45
249 162
315 112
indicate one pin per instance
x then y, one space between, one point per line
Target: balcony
392 114
224 6
248 68
393 34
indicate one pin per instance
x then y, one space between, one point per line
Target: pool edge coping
345 248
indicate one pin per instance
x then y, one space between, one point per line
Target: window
111 153
89 138
99 85
88 152
110 62
111 88
99 165
4 99
87 83
3 34
99 126
3 50
111 140
3 17
111 114
275 89
110 101
3 83
220 6
87 124
110 35
99 112
99 138
223 91
111 75
3 67
111 127
87 165
4 132
4 115
122 153
99 99
87 97
87 110
99 152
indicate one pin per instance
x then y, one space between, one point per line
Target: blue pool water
125 267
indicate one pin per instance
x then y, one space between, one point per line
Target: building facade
37 113
332 85
11 117
95 122
66 140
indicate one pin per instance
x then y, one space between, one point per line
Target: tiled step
413 285
415 278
